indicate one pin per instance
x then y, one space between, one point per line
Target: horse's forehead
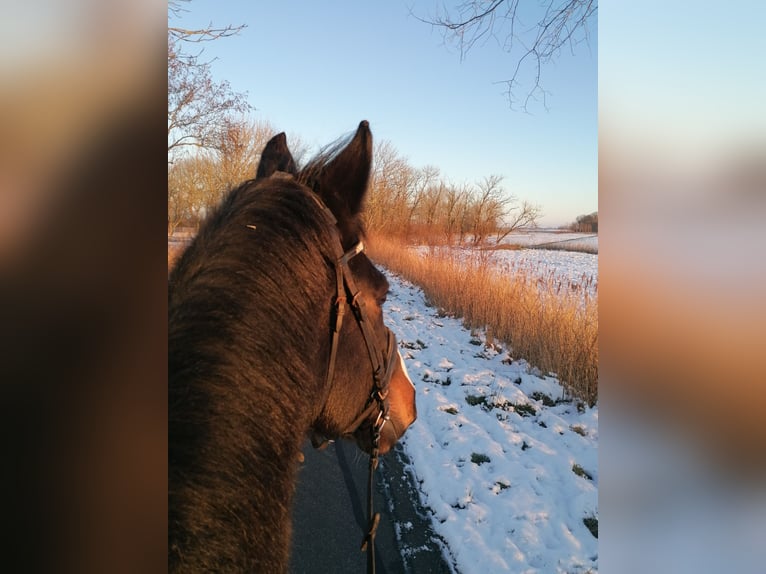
279 181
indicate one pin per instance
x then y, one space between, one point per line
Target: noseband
347 294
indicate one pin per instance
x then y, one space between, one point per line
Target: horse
259 356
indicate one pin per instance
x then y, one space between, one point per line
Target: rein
347 293
381 376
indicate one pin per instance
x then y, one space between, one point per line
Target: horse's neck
233 510
239 413
235 444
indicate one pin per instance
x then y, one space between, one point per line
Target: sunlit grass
174 252
553 329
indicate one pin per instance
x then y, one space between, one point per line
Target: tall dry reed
554 330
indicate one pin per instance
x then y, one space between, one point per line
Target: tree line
418 203
585 223
403 200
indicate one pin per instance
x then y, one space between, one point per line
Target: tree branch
560 25
197 105
204 34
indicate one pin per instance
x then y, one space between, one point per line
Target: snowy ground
566 270
509 480
536 237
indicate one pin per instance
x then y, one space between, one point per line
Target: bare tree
455 204
210 32
422 179
432 205
197 105
524 215
387 201
198 182
488 207
557 24
192 189
238 147
176 198
416 203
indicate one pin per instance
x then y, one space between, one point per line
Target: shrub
478 458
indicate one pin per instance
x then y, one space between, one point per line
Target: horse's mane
243 302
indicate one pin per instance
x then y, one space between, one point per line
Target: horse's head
357 395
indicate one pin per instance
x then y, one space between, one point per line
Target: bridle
347 294
382 370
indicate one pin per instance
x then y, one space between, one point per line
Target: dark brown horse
254 361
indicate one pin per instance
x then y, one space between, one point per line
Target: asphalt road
329 516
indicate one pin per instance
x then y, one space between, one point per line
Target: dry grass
554 331
568 246
174 252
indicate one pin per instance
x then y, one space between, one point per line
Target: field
563 270
542 304
551 239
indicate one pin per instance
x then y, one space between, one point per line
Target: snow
532 237
568 270
496 475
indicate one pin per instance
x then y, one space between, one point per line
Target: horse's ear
276 157
343 182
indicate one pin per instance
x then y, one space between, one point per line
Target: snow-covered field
570 269
565 270
537 237
509 481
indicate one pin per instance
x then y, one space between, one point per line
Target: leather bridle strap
338 310
382 371
378 397
382 365
358 306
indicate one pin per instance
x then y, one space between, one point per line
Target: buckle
340 304
351 253
339 309
380 395
380 422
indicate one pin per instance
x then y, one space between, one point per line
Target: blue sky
685 78
316 69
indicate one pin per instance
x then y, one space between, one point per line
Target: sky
696 87
316 69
